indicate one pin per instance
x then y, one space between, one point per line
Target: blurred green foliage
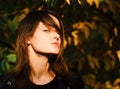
92 29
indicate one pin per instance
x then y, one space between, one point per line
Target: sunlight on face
46 39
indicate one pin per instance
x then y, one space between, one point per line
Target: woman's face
46 40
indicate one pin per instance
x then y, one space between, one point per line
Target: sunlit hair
26 29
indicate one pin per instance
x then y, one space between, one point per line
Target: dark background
92 29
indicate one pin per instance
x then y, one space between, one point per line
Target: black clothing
9 81
51 85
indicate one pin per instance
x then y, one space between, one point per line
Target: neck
42 78
40 72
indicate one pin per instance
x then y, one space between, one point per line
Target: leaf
84 27
116 82
108 85
93 62
105 35
74 33
97 3
7 66
3 65
46 1
11 58
68 1
89 79
79 2
90 2
118 54
13 24
116 31
52 3
22 16
24 12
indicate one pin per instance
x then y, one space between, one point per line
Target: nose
56 36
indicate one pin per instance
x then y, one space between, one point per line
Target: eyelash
46 30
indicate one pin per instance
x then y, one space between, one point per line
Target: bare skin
44 40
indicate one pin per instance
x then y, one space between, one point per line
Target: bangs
48 21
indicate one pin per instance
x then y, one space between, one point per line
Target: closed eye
46 30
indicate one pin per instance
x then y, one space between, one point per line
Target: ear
28 41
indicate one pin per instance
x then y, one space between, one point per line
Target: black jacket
8 81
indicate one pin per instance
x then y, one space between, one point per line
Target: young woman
39 55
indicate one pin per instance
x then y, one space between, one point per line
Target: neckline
47 84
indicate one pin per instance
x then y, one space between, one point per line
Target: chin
55 52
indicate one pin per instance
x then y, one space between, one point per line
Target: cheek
40 41
37 38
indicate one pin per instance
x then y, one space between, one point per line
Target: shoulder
6 80
6 76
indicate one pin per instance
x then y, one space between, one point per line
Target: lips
56 44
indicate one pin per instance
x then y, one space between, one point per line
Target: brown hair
26 29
